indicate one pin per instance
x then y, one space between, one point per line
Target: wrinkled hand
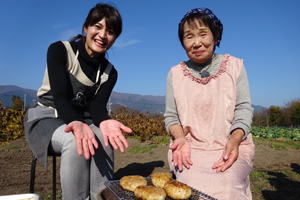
85 138
181 153
231 152
111 131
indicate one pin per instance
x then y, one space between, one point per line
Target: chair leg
54 177
32 174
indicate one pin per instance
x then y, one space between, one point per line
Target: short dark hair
112 17
202 19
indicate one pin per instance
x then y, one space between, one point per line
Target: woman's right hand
85 138
181 153
181 147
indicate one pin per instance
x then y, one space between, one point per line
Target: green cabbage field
276 133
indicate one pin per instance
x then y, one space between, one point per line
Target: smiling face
198 41
98 38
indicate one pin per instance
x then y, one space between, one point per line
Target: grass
50 197
292 144
153 143
275 185
278 147
165 141
161 139
279 144
137 149
13 147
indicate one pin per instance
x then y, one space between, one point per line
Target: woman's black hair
202 19
112 17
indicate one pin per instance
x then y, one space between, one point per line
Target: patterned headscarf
211 15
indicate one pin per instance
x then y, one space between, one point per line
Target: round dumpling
149 192
159 179
131 182
177 190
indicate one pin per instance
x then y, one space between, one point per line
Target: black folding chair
32 174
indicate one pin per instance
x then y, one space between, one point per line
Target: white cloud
57 26
119 44
122 43
67 34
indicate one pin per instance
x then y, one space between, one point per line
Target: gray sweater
243 111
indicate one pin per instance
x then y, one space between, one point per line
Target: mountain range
143 103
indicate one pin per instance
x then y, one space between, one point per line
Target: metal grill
121 194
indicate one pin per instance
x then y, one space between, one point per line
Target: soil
16 157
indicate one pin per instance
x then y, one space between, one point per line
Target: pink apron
206 110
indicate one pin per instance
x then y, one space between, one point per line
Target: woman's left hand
231 152
111 131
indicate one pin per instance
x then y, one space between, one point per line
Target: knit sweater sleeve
60 82
170 115
243 112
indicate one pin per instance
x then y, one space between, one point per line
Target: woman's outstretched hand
85 138
181 150
181 153
231 152
111 131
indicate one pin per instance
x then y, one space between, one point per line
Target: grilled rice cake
131 182
177 190
159 179
149 192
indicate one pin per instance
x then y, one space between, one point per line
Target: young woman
208 113
71 118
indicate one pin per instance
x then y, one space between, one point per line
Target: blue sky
264 33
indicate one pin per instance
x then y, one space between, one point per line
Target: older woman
208 113
71 118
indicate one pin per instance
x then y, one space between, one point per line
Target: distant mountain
143 103
7 91
258 108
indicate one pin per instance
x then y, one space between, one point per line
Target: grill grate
121 194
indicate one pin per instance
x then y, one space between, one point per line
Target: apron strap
104 76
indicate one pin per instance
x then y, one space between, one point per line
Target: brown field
276 173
